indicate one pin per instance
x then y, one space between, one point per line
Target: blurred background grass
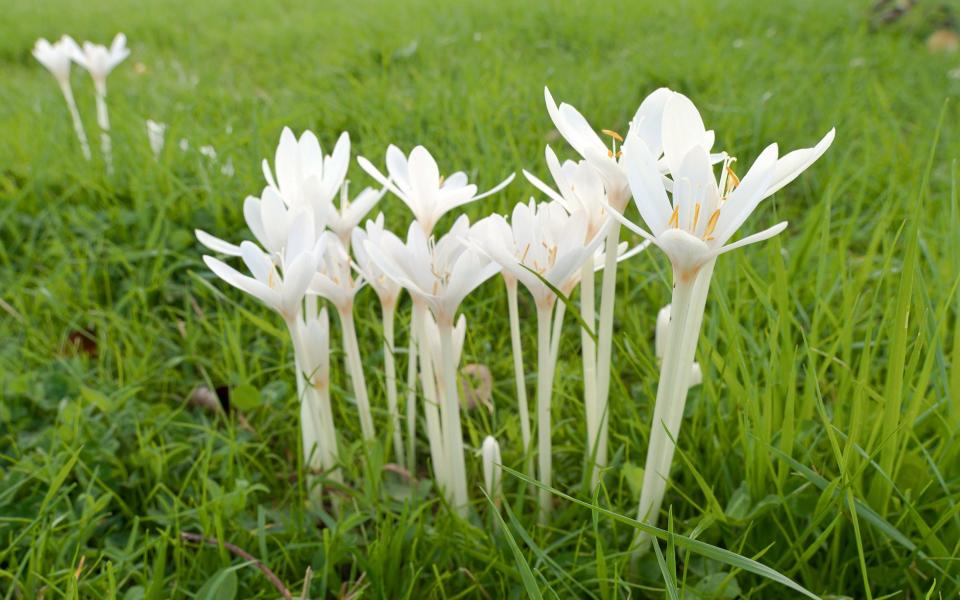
109 320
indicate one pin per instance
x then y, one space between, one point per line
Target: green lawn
824 443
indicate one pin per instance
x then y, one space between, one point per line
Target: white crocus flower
647 124
543 244
579 186
492 469
270 220
417 182
439 275
99 61
343 220
283 294
693 230
155 135
56 58
704 215
388 292
305 176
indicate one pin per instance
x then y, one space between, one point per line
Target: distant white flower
441 274
227 168
56 57
209 151
304 175
99 60
184 144
387 289
417 182
155 134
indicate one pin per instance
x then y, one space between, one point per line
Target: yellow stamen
612 134
732 181
711 225
696 215
674 218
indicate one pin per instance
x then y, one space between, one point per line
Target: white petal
216 244
793 163
647 122
753 239
258 262
242 282
744 200
682 129
646 185
495 188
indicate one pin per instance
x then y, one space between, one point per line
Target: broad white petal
646 184
647 122
794 163
682 129
744 200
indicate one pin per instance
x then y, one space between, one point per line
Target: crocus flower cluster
310 252
99 61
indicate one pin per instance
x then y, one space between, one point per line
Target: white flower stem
389 365
75 117
589 357
450 412
518 373
318 433
605 342
103 120
412 393
430 406
544 393
686 316
355 367
561 310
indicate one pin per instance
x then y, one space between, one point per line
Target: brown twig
236 550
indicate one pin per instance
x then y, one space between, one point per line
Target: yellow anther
732 181
711 225
612 134
674 218
696 215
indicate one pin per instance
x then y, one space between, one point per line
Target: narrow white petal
753 239
216 244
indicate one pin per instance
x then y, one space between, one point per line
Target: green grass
823 443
